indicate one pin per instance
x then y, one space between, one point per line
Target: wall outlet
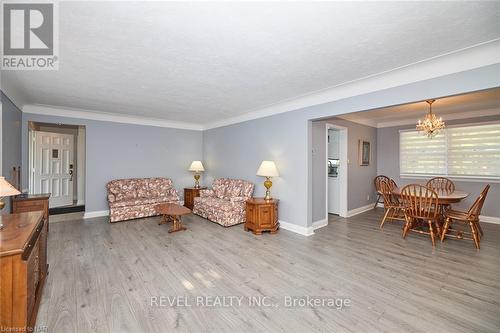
368 197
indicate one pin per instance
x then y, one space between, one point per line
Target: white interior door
53 167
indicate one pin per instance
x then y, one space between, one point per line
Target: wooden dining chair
421 211
377 181
394 209
393 184
441 185
471 217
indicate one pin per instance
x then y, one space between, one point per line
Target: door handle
71 175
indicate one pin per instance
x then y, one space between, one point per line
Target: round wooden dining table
443 197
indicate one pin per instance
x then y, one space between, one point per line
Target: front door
53 167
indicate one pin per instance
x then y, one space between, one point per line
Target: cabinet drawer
266 214
30 203
31 208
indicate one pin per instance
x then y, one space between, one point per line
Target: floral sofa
225 203
137 197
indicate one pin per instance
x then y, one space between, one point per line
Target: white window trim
473 179
454 177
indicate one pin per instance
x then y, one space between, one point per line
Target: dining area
430 208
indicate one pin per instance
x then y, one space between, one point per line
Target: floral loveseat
225 203
137 197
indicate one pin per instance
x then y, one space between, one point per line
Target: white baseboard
97 213
298 229
360 210
320 224
489 219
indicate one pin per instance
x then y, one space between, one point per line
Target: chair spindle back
477 206
420 201
441 185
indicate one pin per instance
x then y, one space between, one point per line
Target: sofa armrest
111 197
238 199
207 193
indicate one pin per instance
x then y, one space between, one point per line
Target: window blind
465 151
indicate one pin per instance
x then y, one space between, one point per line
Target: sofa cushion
123 189
233 189
142 201
215 203
154 187
219 186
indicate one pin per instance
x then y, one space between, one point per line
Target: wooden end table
173 212
189 194
262 215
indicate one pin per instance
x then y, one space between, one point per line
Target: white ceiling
206 62
477 104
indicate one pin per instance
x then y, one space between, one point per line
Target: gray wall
237 150
318 165
360 178
117 150
11 141
388 157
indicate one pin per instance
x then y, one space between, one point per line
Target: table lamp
268 169
6 190
197 168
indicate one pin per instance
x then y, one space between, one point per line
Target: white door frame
344 163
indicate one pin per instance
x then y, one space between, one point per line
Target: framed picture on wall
364 152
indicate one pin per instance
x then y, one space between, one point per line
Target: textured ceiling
474 104
203 62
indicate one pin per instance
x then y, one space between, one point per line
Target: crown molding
446 117
357 120
469 58
49 110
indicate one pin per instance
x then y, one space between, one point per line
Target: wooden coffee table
173 212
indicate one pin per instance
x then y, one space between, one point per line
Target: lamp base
2 205
267 184
196 180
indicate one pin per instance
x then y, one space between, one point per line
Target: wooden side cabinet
262 215
189 194
23 269
31 203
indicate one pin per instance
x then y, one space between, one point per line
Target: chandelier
431 125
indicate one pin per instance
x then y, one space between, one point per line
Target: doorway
337 170
57 165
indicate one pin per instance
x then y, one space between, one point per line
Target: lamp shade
267 169
6 189
196 166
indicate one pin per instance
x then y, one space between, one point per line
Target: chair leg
388 210
475 235
407 226
431 231
377 201
447 224
438 228
480 229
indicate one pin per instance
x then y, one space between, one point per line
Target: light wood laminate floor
102 277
